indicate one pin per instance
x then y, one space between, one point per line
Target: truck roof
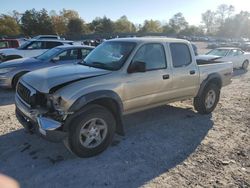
149 39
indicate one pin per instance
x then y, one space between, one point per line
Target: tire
205 105
245 65
91 131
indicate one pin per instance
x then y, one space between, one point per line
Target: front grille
24 93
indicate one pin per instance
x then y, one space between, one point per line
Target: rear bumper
45 127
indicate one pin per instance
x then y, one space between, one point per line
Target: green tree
76 27
178 22
102 25
167 29
192 30
123 25
59 25
36 22
61 21
236 26
8 26
151 26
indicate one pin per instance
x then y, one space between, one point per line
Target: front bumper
33 120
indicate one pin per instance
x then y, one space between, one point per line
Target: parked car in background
11 71
245 46
9 43
83 105
31 48
195 49
56 37
239 58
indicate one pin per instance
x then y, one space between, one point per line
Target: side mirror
55 59
137 66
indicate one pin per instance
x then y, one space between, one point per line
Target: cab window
180 54
153 55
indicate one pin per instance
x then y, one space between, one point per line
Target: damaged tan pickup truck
83 104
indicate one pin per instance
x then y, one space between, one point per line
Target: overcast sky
136 10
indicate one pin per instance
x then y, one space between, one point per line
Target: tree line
220 22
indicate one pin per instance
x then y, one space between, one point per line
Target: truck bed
224 69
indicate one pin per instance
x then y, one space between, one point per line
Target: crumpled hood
207 57
48 79
18 62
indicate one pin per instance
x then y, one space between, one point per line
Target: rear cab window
181 55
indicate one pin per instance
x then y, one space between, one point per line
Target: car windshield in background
218 52
24 45
110 55
48 54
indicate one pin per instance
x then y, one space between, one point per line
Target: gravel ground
169 146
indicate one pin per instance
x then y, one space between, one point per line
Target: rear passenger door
151 87
185 70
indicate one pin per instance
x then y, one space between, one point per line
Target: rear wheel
245 65
207 101
91 132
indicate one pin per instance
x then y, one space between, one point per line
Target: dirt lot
169 146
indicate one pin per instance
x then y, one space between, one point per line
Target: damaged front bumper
32 120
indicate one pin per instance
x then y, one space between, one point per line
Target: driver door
152 86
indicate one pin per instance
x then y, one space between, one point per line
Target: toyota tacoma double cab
83 104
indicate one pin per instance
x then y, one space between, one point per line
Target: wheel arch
108 99
213 78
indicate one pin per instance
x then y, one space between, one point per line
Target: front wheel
91 132
207 101
245 65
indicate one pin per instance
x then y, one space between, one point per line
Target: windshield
24 45
218 52
110 55
48 54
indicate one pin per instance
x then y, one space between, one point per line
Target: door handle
166 76
192 72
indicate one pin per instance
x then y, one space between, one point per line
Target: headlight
5 70
54 102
